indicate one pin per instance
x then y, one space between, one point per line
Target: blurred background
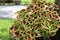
18 2
14 2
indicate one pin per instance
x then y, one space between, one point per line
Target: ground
9 11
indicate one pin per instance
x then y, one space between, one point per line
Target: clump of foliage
38 19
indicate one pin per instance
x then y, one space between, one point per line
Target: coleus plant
38 19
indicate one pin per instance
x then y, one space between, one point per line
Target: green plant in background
51 1
25 2
38 19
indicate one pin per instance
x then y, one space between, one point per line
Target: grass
23 2
5 24
52 1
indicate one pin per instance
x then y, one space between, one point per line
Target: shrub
38 19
